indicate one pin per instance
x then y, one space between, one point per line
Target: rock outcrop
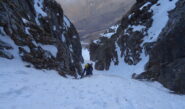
43 35
145 31
125 38
167 57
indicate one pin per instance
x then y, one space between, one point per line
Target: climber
88 70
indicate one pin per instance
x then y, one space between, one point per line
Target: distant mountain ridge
92 16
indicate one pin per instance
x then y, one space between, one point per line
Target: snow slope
27 88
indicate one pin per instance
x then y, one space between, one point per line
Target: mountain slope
43 89
145 36
39 33
92 16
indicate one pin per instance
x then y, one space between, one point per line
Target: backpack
86 66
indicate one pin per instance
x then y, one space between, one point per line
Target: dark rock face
166 55
104 52
127 40
43 34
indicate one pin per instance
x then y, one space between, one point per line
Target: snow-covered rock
42 35
152 32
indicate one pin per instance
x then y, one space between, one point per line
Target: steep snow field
27 88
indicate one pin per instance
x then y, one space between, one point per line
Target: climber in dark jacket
87 70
